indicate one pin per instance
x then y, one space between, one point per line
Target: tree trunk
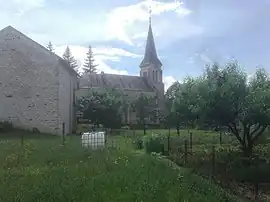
178 129
248 149
144 129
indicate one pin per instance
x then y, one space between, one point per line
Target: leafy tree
89 63
143 106
223 97
67 56
244 107
50 47
102 108
170 118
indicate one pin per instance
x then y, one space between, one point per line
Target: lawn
44 170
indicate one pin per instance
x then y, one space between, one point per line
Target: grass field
228 166
44 170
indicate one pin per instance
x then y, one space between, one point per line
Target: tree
223 97
144 109
67 56
50 47
244 107
102 108
170 118
89 63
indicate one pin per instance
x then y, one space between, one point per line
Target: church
149 82
39 90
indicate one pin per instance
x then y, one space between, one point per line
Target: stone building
37 88
149 82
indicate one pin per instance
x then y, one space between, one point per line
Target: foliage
68 57
138 143
89 63
50 47
5 126
54 173
143 106
224 97
154 143
102 108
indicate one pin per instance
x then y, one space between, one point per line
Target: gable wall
29 84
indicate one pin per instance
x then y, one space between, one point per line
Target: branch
256 129
235 132
259 132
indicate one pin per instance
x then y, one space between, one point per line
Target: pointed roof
150 55
10 29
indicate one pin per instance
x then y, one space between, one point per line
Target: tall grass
44 170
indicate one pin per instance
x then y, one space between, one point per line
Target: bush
5 126
154 143
138 143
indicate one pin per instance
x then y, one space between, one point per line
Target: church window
153 75
156 76
145 74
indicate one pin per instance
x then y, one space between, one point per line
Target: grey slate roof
150 55
115 81
10 29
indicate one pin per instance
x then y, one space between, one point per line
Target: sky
189 34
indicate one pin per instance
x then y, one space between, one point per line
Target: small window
145 74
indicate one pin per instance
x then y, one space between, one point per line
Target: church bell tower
150 67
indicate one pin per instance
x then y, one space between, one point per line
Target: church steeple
150 55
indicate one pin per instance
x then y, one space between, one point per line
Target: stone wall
29 85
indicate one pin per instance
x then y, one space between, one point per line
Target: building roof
123 82
150 55
10 29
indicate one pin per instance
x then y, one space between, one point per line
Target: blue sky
188 34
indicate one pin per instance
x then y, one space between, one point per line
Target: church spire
150 55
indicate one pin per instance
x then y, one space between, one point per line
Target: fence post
190 141
63 133
213 160
169 143
256 183
22 140
220 138
105 138
186 151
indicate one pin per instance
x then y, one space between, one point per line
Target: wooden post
190 141
105 138
169 144
186 151
213 161
220 138
22 140
63 133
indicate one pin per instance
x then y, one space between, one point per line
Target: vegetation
223 97
102 108
68 57
143 106
41 169
89 63
50 47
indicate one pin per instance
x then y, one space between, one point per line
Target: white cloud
101 55
168 81
122 18
21 6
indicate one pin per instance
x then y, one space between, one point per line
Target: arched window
153 74
157 76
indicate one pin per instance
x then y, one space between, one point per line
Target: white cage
93 140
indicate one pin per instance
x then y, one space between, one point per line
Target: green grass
44 170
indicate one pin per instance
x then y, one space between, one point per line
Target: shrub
5 126
138 143
154 143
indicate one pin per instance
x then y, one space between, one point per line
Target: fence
221 162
